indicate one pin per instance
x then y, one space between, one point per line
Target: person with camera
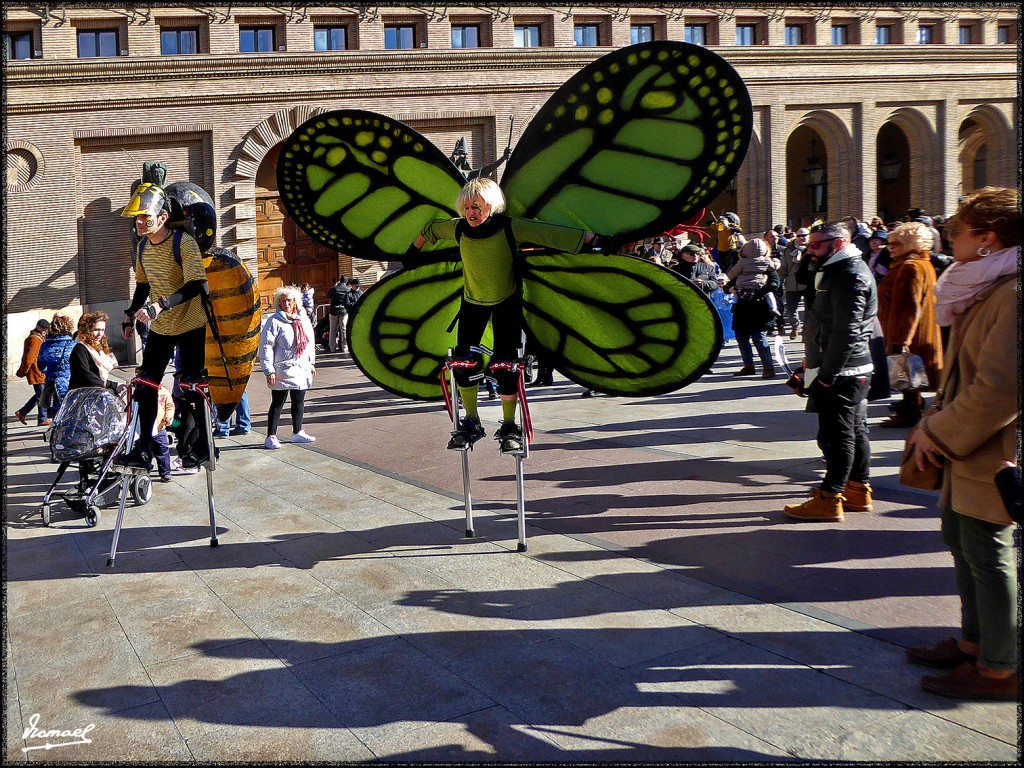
338 314
837 372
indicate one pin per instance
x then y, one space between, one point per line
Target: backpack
351 298
175 246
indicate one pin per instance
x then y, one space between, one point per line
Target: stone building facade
885 107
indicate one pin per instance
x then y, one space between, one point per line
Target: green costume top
488 261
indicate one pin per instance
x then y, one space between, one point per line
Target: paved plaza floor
665 610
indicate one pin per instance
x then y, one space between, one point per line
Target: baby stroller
90 429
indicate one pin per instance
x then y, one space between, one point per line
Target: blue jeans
760 340
986 578
162 453
243 422
37 395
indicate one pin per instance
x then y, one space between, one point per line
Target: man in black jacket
837 361
336 296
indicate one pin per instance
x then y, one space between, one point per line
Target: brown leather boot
746 370
822 507
768 373
857 496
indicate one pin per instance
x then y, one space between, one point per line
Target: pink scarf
958 287
298 326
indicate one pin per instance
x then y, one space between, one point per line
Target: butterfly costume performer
637 141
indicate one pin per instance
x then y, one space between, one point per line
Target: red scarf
298 326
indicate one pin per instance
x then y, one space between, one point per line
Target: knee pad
508 382
472 376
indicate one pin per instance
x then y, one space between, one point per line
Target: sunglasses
821 242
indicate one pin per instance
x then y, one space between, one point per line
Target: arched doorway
284 253
807 177
893 173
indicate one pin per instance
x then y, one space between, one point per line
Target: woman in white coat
287 353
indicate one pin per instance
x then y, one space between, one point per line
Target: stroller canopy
89 419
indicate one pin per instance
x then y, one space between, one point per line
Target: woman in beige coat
974 435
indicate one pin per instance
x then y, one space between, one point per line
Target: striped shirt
155 265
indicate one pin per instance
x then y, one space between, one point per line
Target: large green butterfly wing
634 143
618 324
402 328
365 184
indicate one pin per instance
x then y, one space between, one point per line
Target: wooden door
271 247
287 255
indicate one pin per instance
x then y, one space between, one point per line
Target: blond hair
287 290
914 236
484 188
993 209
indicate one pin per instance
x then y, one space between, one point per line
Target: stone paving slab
662 613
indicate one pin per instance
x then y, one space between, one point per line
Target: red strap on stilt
445 389
519 367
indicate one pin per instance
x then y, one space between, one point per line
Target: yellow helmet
147 200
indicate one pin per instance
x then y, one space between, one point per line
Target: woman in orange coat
906 310
29 370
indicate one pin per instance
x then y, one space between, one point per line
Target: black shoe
541 383
470 430
510 436
135 458
190 461
165 478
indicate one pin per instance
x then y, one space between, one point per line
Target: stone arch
927 176
995 132
756 207
253 149
842 160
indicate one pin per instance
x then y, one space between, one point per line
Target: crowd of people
945 292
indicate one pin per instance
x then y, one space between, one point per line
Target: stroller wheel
142 489
92 516
45 512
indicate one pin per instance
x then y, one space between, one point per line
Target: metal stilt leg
520 504
211 463
126 478
466 482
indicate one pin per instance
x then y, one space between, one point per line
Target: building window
698 34
18 45
587 35
746 34
527 36
966 35
925 34
179 42
399 37
794 34
883 35
256 39
641 33
840 35
1002 35
97 42
330 38
466 36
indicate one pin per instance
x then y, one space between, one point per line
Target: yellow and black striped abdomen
236 308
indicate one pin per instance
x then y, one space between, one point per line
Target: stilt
203 388
456 422
126 445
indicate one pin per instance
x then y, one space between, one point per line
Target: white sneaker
303 437
272 443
